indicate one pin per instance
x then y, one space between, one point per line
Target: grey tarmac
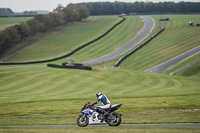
105 125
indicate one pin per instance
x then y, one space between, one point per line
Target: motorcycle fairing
86 112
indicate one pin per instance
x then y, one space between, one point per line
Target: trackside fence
75 66
185 67
142 45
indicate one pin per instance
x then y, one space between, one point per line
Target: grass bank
113 41
41 95
102 129
61 43
177 38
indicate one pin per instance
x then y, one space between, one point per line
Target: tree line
13 35
6 12
113 8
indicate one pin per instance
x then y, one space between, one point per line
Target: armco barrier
69 54
75 66
184 68
142 45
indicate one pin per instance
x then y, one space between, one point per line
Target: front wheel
82 121
116 120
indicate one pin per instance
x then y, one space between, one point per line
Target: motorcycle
88 112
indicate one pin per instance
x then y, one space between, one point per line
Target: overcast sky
31 5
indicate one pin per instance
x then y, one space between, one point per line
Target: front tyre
116 120
82 121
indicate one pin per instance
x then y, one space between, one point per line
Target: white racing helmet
99 94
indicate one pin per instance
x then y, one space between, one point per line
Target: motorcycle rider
105 103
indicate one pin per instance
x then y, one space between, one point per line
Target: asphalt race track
125 125
146 30
163 66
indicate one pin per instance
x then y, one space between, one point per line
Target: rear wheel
116 120
82 121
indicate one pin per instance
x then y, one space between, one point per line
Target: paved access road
126 125
163 66
146 30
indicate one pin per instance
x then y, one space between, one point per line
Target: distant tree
50 20
58 18
6 12
70 15
44 21
82 12
114 8
3 42
13 34
8 38
30 13
24 30
60 7
35 26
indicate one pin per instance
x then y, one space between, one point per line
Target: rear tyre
116 120
82 121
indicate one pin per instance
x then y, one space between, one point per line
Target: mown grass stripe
26 84
18 81
43 85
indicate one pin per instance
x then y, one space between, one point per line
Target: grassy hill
117 38
64 42
36 94
176 39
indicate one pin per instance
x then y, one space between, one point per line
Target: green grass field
10 21
36 94
40 95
